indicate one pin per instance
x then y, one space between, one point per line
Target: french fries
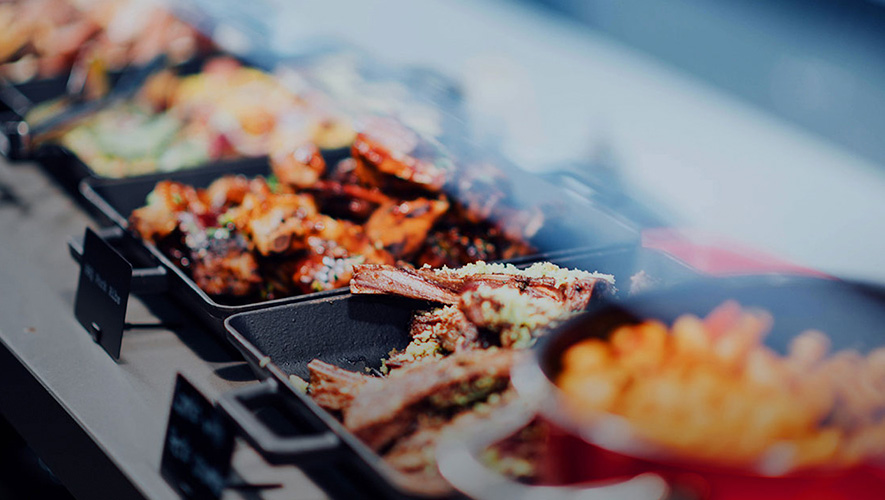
708 389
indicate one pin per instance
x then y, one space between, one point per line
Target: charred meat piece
518 305
277 223
401 227
381 413
328 271
350 201
220 262
332 249
225 268
386 156
438 285
300 168
228 190
406 282
572 288
414 456
454 242
334 388
449 326
159 217
328 232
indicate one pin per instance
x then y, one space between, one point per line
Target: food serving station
241 263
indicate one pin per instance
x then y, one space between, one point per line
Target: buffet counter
99 424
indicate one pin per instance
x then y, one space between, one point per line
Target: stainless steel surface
98 424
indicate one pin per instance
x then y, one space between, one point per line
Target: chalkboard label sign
199 445
103 292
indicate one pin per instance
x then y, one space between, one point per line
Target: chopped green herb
273 183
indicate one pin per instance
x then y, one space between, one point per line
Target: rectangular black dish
21 97
16 100
66 167
115 199
355 333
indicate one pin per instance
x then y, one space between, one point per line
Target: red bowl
852 315
571 459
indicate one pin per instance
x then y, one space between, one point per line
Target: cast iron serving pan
355 332
115 199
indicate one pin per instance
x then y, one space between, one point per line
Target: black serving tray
20 98
113 200
16 100
355 332
66 167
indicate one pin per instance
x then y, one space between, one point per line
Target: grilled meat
334 388
381 413
415 455
572 289
328 271
402 227
276 223
387 204
350 201
449 326
159 217
387 155
435 334
406 282
452 246
301 167
46 38
230 190
226 268
448 377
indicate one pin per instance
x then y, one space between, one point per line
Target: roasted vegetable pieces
456 370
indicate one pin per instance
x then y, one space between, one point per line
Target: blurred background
760 121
